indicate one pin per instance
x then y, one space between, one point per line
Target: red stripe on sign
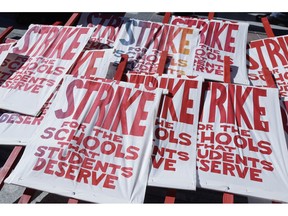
5 33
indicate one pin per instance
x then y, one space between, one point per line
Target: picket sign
30 192
270 33
271 84
266 72
171 193
118 76
5 33
162 176
227 197
17 152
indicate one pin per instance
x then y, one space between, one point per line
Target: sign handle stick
170 197
267 27
73 201
267 74
27 195
211 15
17 151
10 163
121 67
171 193
269 78
227 197
12 160
57 23
70 22
166 17
162 62
227 67
74 17
5 33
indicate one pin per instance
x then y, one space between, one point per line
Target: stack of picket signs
91 137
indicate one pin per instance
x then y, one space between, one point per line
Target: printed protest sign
94 64
94 144
270 53
175 135
106 31
241 142
51 51
144 41
218 38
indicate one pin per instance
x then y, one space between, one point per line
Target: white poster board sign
175 135
51 50
269 53
95 144
241 142
144 42
218 38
